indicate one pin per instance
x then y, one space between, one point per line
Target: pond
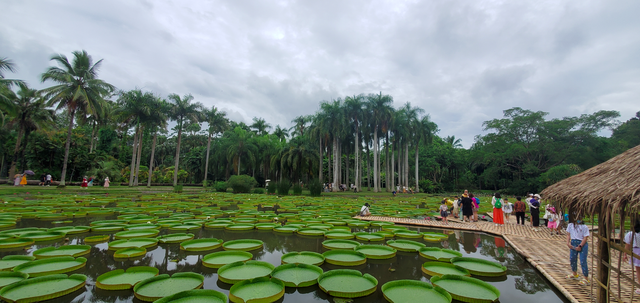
522 283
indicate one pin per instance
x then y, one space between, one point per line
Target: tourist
364 211
467 207
43 179
632 242
106 182
459 202
16 179
547 213
577 235
508 209
85 183
444 211
553 220
23 182
534 206
91 181
498 214
519 208
476 206
528 200
49 178
456 207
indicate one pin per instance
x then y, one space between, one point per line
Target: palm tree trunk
356 162
66 146
393 170
153 151
206 161
406 164
400 174
177 160
336 172
320 156
375 159
386 161
417 188
239 157
93 136
368 168
137 175
23 162
16 152
346 174
134 152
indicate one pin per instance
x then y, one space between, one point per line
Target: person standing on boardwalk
577 236
507 207
632 242
534 205
528 200
553 220
467 207
476 206
444 211
498 214
519 208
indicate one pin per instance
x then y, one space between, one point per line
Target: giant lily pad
130 252
175 238
240 226
467 289
133 243
201 244
221 258
237 271
287 229
185 227
137 233
405 245
437 254
339 234
297 274
48 266
69 230
340 244
43 235
364 236
480 267
243 244
304 257
347 283
120 279
154 288
344 257
42 288
266 226
311 232
195 296
67 250
414 291
263 289
97 239
9 277
440 268
11 261
377 252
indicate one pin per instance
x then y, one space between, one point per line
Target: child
553 220
444 211
507 208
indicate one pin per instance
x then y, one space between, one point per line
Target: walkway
548 253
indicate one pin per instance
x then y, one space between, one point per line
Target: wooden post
603 272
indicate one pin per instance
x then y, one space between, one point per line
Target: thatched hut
610 192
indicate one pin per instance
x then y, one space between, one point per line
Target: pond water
522 283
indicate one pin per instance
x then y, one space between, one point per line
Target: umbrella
29 172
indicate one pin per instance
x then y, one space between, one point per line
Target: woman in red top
519 208
85 183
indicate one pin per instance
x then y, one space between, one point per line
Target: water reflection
522 282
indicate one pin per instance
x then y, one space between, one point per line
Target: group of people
89 182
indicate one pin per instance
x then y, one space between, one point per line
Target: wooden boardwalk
547 253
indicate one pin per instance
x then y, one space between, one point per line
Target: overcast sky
464 62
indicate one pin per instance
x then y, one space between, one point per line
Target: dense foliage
361 140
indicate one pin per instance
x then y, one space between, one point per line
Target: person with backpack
498 214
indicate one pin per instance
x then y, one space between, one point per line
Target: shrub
297 189
258 191
221 186
242 183
272 187
315 187
177 188
429 187
283 187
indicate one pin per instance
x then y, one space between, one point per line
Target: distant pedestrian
23 182
498 214
577 235
519 208
16 179
444 211
90 181
85 183
467 207
106 182
476 206
528 201
43 179
49 178
534 205
553 220
507 207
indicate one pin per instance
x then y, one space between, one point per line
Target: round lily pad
17 232
43 235
434 237
67 250
138 233
175 238
339 234
9 277
263 289
141 226
340 244
221 258
414 291
297 274
304 257
48 266
11 261
437 254
377 252
364 236
405 245
243 244
344 257
130 252
381 223
201 244
185 227
237 271
286 229
97 239
311 232
133 243
154 288
217 225
467 289
266 226
347 283
70 230
107 228
409 234
240 226
42 288
480 267
440 268
195 296
120 279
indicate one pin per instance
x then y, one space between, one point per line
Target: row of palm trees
321 144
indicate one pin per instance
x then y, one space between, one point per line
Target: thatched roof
615 182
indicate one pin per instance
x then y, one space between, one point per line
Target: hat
537 196
530 194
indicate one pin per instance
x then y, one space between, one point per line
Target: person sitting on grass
444 211
364 211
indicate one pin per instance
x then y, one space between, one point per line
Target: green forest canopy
360 139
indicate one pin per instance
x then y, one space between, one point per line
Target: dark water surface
522 283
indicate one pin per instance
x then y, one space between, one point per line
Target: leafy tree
627 134
182 110
218 123
241 145
260 126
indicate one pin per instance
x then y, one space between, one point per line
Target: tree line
82 125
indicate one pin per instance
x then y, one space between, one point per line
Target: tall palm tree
77 89
157 121
281 133
425 130
332 120
218 123
242 145
354 108
453 141
300 124
5 84
31 114
135 108
182 109
260 126
379 111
